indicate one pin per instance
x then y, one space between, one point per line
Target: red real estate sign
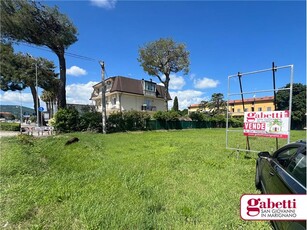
267 124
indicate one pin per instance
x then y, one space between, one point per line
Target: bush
235 122
5 126
115 122
127 121
67 120
135 120
90 121
197 116
167 115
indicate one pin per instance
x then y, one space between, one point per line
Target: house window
238 110
148 102
268 109
259 109
150 86
108 86
114 101
246 110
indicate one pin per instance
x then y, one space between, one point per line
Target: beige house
236 106
124 94
256 104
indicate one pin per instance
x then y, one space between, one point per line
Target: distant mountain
15 110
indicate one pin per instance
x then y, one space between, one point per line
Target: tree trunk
34 95
166 91
62 84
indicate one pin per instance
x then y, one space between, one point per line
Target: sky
223 38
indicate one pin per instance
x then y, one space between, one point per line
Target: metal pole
239 76
260 71
103 98
37 115
20 111
290 103
274 86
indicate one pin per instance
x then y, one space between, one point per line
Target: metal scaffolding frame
242 93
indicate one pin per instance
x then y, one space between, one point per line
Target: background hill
15 110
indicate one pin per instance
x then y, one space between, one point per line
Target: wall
264 105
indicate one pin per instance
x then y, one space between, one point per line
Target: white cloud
176 83
205 83
14 98
79 93
75 94
192 76
187 97
107 4
76 71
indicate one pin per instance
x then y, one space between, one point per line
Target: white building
124 94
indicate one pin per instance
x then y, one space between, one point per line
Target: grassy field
151 180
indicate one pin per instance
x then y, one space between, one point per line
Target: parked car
283 172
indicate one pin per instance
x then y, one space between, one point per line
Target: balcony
148 108
149 93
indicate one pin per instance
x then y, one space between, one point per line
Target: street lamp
36 85
103 98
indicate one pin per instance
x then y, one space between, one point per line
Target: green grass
151 180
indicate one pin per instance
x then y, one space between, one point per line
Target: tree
31 22
175 105
163 57
298 103
19 71
49 97
217 105
8 69
203 106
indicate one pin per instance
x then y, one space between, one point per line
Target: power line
66 53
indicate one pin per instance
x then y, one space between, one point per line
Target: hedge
6 126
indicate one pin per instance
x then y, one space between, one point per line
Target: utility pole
37 114
20 111
103 98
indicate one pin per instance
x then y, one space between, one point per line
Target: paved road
8 133
29 129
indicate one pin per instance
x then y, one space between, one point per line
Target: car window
284 156
297 168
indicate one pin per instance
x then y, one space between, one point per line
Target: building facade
250 105
124 94
198 108
235 107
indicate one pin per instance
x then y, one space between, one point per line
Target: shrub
115 122
197 116
51 122
135 120
90 121
25 139
235 122
127 121
67 120
6 126
167 115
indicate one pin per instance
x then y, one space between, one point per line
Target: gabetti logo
273 207
252 116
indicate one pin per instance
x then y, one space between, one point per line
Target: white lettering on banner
256 126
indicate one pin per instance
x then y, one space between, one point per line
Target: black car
284 172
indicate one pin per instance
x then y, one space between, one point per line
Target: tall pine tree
175 105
